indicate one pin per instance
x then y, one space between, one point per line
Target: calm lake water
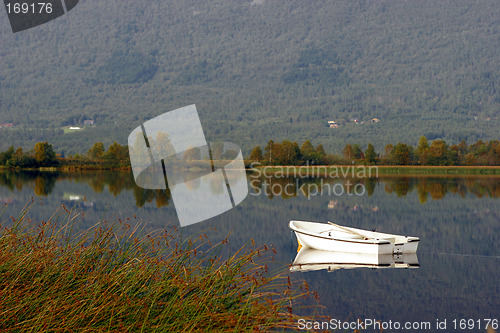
456 218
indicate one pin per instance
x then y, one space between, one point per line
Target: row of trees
289 153
115 152
117 156
44 155
438 152
434 153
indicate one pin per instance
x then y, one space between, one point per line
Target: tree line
44 155
435 153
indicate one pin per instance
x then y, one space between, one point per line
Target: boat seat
339 234
389 239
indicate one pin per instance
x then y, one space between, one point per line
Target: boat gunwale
341 263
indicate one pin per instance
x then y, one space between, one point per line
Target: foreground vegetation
110 278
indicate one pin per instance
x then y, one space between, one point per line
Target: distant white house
75 128
332 124
332 204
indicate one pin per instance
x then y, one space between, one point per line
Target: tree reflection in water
434 187
115 182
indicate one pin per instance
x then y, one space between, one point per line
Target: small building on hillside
332 204
375 120
88 122
7 125
332 124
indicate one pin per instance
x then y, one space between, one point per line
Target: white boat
308 259
333 237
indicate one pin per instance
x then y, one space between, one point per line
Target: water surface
456 218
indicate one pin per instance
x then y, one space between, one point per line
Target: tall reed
115 278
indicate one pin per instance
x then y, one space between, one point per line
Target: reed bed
109 278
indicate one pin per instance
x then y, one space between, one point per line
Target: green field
360 171
66 130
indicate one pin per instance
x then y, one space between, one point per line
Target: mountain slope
257 71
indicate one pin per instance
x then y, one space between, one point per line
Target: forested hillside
257 70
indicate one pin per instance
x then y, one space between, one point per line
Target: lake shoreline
364 171
356 171
68 169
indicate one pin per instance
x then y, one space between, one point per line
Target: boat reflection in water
308 259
